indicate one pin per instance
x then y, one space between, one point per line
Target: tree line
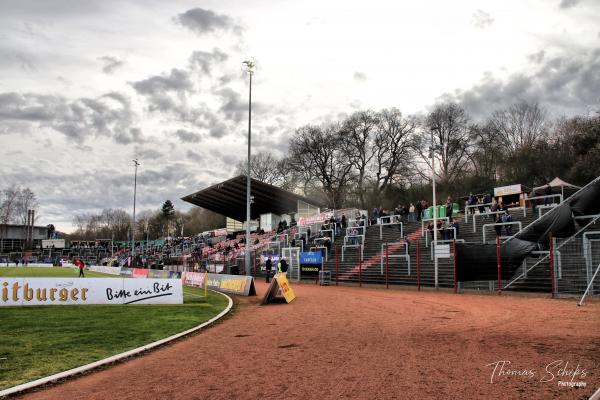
373 158
165 221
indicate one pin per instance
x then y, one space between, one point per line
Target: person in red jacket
79 262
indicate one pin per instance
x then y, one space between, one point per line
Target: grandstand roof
228 198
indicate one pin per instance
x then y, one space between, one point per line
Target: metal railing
441 230
545 207
495 213
518 223
447 219
594 219
475 206
390 224
321 247
546 196
406 255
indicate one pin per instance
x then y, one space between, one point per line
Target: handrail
493 213
389 224
348 229
389 217
441 229
501 224
406 255
587 252
475 206
431 219
545 197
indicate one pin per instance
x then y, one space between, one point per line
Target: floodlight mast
249 66
136 164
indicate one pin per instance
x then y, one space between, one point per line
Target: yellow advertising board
279 284
284 285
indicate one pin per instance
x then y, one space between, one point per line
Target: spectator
498 228
375 216
548 192
411 213
456 226
471 202
419 210
506 217
449 207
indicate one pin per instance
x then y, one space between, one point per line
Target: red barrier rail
499 265
454 245
337 265
418 268
551 263
387 286
359 266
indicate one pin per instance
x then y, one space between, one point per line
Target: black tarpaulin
479 262
559 222
587 200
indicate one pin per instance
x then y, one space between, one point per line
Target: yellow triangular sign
278 285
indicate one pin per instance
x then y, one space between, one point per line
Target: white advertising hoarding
69 291
507 190
106 269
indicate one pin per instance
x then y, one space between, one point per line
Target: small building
14 237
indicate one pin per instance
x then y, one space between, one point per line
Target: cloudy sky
86 86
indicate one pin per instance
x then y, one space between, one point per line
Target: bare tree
449 124
263 166
8 207
357 136
392 148
520 125
316 153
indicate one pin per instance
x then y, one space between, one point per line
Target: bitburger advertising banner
69 291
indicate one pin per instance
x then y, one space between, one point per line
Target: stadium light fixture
135 164
250 67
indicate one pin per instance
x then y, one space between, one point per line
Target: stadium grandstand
515 238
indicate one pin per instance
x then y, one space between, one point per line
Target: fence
565 268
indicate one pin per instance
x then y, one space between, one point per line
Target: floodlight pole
250 69
136 164
435 235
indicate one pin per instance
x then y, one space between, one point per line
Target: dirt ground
359 343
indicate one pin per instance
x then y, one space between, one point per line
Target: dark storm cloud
482 19
204 61
187 136
203 21
110 64
233 107
167 93
564 4
109 115
177 80
566 85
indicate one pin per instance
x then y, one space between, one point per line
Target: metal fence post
359 266
454 248
552 288
387 286
499 264
337 264
418 268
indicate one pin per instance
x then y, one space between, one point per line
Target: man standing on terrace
268 267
